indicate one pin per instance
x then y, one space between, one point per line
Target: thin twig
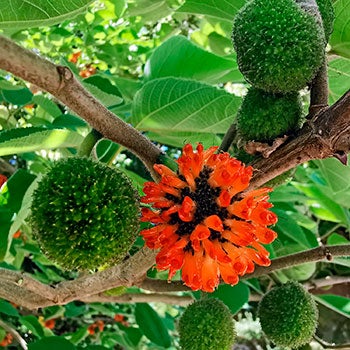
345 346
15 334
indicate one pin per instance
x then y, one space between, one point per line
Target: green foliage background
168 68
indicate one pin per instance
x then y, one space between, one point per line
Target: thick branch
61 83
325 136
25 291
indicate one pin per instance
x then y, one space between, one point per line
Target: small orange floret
7 340
202 222
3 179
50 324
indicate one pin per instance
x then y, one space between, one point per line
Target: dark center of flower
205 198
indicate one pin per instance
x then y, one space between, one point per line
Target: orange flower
7 340
98 325
203 224
3 179
50 324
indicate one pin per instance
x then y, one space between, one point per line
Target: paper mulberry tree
173 174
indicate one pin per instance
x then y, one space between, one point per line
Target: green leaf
150 10
48 105
32 324
104 90
340 38
7 309
288 229
336 238
34 139
178 139
337 303
222 10
18 97
339 78
52 343
25 14
178 57
152 325
336 176
172 104
233 296
323 206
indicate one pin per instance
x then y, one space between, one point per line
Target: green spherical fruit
264 116
207 325
288 315
279 46
85 214
326 9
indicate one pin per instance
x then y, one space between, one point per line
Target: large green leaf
52 343
35 13
178 57
34 139
233 296
171 104
150 10
223 10
340 38
337 303
339 78
17 186
152 325
336 176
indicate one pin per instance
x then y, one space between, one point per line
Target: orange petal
210 274
199 233
243 232
224 199
262 216
264 234
215 251
214 222
228 274
148 215
191 270
186 212
163 170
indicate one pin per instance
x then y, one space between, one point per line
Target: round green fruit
85 214
263 116
207 325
279 46
288 315
326 9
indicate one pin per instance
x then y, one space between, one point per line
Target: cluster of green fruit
280 47
287 313
85 215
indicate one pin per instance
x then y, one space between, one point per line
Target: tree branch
181 300
326 135
61 83
311 255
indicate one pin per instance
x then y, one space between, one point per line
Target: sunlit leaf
26 14
152 325
35 139
179 57
171 104
223 10
340 38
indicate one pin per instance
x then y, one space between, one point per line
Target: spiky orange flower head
201 222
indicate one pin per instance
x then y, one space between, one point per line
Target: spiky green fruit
288 315
279 46
85 214
207 325
264 116
326 9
